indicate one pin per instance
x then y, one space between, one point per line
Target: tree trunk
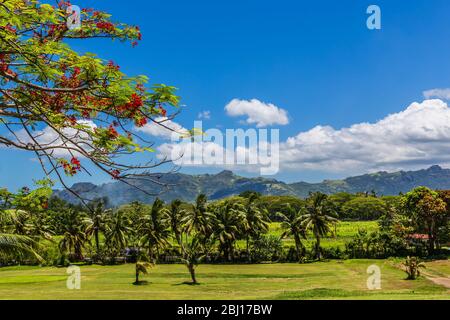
431 243
192 272
248 249
97 244
298 246
78 253
318 254
137 276
230 252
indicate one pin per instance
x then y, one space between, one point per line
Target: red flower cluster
72 81
113 134
141 122
64 3
4 66
115 174
76 163
56 28
114 66
136 101
96 14
133 105
71 168
54 101
139 34
106 26
86 113
163 111
72 120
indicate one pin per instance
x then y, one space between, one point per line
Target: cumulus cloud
437 93
166 130
48 137
259 113
415 137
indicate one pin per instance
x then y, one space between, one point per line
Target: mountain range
226 183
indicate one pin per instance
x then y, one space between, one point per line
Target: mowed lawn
321 280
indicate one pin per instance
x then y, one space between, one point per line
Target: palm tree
16 220
292 226
412 267
175 215
192 257
255 222
142 268
154 229
200 220
116 232
74 235
94 223
229 219
318 217
13 245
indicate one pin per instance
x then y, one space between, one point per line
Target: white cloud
259 113
204 115
48 137
437 93
166 130
413 138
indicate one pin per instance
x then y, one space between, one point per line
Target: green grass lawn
345 231
321 280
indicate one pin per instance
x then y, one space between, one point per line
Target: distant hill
225 184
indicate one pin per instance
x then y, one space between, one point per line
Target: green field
345 231
320 280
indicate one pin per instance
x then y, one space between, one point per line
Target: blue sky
315 59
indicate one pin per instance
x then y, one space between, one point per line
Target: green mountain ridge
226 183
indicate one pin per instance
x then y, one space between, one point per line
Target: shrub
412 267
266 248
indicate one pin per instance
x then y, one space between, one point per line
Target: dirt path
439 280
442 281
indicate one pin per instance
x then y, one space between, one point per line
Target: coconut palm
95 221
116 232
154 229
192 257
319 217
291 223
142 268
254 220
175 214
74 235
13 246
200 220
229 220
15 220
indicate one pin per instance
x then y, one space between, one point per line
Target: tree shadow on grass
141 283
187 283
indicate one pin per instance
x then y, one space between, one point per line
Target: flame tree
70 109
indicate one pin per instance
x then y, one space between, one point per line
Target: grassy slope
322 280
